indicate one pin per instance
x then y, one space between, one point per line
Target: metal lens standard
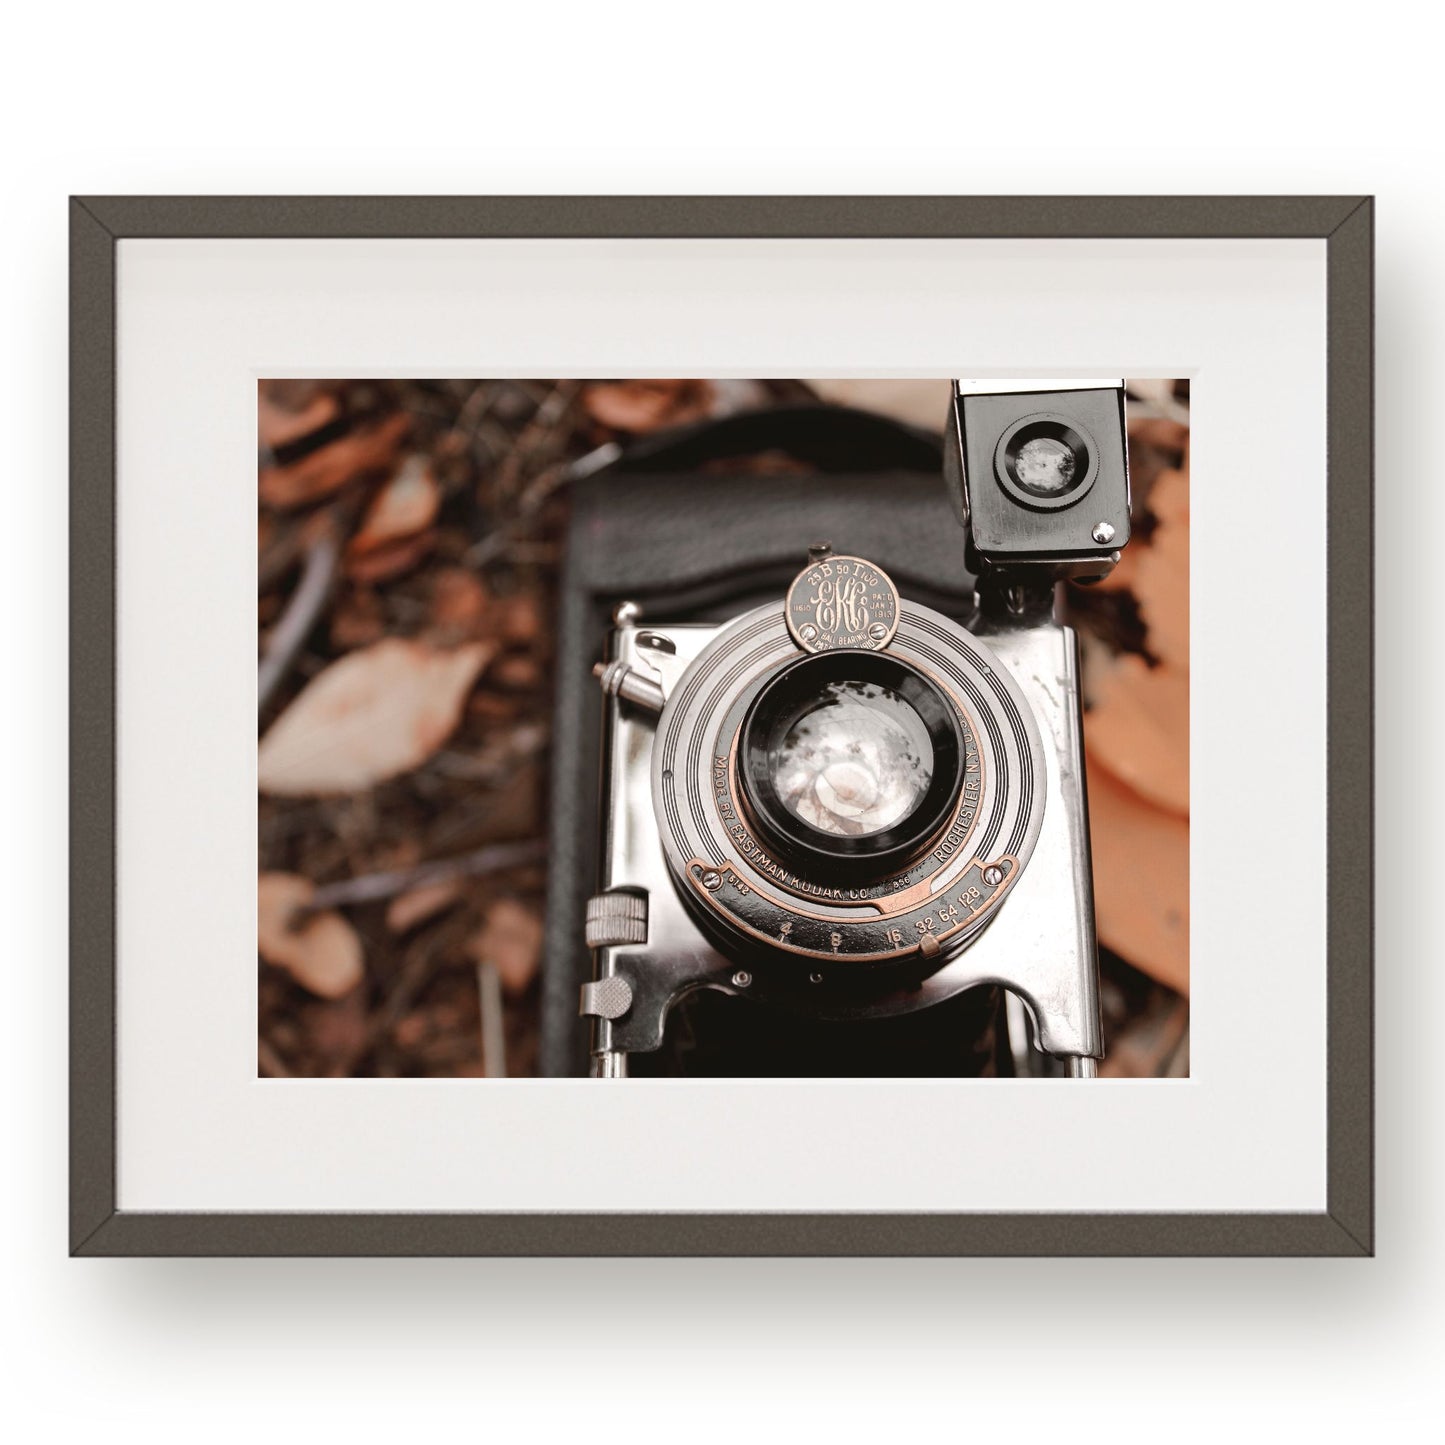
857 763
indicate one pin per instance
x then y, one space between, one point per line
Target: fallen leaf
1141 879
283 418
1138 728
391 560
1156 446
1161 573
321 951
373 715
511 941
415 906
318 474
459 601
1169 501
922 402
406 505
1161 433
647 406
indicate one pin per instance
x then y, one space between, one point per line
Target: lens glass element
857 762
1045 466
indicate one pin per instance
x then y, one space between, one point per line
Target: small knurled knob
616 918
605 998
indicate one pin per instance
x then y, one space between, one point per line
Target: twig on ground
489 1002
372 887
301 614
543 486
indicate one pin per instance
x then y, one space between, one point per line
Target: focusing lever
621 679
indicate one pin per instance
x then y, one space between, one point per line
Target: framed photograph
722 726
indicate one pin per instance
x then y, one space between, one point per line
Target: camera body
845 804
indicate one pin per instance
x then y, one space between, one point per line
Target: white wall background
261 97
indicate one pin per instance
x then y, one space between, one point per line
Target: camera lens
1045 466
856 763
850 761
1045 462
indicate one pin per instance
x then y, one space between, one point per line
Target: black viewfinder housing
1040 478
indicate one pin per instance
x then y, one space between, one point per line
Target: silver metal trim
1023 385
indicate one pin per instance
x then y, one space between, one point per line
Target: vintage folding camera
844 805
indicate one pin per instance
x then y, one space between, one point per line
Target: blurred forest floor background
409 544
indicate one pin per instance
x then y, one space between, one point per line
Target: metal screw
712 879
1103 533
626 613
742 978
878 631
819 550
993 874
815 978
808 632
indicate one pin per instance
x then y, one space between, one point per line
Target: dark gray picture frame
1345 1227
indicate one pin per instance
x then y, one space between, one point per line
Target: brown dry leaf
1138 728
510 940
407 910
406 505
1162 433
373 715
1141 880
647 406
391 560
321 952
1161 574
459 602
1169 501
282 419
359 453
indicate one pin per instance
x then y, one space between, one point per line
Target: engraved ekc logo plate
842 602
